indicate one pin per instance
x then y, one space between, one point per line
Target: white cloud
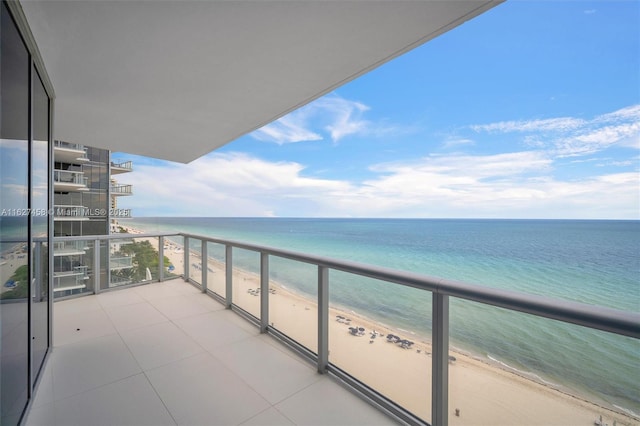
457 142
551 124
567 137
289 129
503 185
337 116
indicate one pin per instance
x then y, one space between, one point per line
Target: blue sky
531 110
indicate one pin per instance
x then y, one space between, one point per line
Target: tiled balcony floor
166 354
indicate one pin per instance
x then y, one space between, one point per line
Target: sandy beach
10 261
482 393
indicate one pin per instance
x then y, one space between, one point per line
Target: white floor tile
86 365
271 372
213 330
201 391
158 344
181 306
164 289
119 298
71 327
42 415
270 417
131 401
327 403
129 317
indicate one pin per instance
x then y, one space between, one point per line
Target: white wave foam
533 376
626 410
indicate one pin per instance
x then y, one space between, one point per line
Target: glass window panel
380 333
14 267
216 279
515 368
246 280
40 224
293 300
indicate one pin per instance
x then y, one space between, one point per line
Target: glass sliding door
39 224
14 222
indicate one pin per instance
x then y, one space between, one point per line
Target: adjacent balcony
120 262
67 152
123 167
70 248
118 189
69 280
228 343
69 181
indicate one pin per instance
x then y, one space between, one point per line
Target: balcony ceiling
178 79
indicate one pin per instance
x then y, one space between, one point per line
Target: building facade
85 203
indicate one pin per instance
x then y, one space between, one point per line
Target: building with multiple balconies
85 203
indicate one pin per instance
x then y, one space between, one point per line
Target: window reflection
14 256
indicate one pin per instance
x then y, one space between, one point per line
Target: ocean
592 262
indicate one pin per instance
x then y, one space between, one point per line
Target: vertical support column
323 319
161 258
186 258
96 266
440 361
37 271
107 270
228 274
205 264
264 292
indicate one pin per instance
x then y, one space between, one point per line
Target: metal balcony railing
121 189
69 177
441 290
68 248
69 145
128 165
120 262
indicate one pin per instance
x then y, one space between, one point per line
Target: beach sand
484 394
10 261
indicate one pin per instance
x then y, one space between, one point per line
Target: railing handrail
597 317
123 165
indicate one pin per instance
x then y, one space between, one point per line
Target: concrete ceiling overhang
178 79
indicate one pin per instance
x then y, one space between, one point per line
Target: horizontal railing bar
596 317
118 236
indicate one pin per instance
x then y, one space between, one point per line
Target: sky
531 110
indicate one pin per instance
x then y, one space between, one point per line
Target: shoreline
483 391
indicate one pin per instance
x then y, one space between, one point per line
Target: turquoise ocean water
593 262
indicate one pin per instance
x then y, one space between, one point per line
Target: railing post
205 264
440 361
323 319
161 258
264 292
96 266
186 258
228 275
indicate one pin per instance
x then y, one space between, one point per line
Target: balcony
120 262
67 152
117 189
69 181
70 248
124 167
73 279
166 354
177 338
